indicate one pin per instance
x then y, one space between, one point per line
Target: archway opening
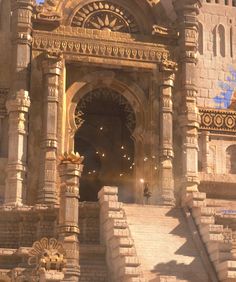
105 140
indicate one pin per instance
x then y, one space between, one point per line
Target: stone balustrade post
70 170
166 140
52 66
187 11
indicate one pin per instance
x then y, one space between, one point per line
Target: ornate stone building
144 91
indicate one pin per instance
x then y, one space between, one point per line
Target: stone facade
139 95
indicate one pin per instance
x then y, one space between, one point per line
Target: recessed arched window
221 40
231 159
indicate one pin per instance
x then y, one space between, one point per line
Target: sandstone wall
217 42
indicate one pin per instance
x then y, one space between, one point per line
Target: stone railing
122 260
214 225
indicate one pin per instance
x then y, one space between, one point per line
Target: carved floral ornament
104 15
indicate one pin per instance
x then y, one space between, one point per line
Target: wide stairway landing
164 243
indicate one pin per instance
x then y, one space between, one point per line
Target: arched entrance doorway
105 140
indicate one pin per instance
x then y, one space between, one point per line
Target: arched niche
231 159
125 88
220 41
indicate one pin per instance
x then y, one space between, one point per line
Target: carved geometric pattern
108 94
218 120
105 16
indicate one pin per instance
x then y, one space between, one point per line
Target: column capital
19 102
52 63
167 79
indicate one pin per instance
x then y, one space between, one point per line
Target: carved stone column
70 172
52 66
17 107
205 136
18 102
187 11
166 140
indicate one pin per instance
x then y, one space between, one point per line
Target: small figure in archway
146 193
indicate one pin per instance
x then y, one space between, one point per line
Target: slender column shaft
48 187
166 140
70 173
18 102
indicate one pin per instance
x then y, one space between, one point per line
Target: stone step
164 245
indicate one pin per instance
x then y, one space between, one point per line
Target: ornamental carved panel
218 120
104 15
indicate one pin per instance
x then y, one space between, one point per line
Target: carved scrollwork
104 15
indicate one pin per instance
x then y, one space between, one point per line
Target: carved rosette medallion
105 16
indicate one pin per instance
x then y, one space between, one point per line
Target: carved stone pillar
166 140
18 102
70 173
187 11
17 107
205 136
52 66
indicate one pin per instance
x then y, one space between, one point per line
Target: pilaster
52 66
166 139
187 11
17 107
19 102
70 170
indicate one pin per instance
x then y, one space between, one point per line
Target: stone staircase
92 258
164 244
216 221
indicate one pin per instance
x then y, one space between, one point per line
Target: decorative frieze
218 120
79 43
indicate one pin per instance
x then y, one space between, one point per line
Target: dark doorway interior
105 140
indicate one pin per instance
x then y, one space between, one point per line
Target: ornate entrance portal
105 140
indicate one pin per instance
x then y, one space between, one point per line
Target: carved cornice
95 43
218 120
